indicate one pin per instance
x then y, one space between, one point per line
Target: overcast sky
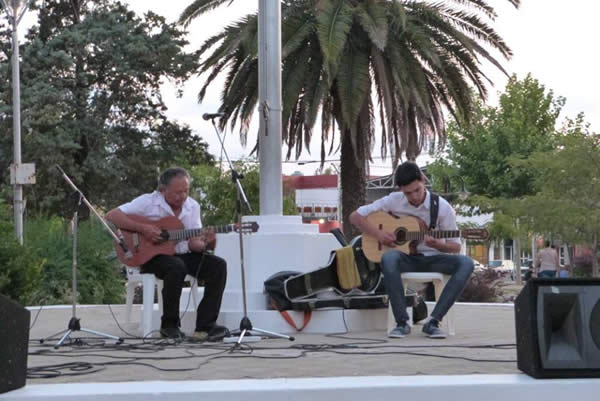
554 40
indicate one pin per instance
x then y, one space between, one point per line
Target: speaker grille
595 324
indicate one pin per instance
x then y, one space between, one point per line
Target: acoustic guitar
409 231
140 249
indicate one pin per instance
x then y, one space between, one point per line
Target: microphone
210 116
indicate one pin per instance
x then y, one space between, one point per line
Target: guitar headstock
246 227
475 233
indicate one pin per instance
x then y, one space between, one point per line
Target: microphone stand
245 324
74 324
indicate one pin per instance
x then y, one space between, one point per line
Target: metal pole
18 188
269 94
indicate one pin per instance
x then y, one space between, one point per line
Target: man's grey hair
172 172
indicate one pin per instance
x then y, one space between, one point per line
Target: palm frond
353 82
334 21
372 17
295 32
199 7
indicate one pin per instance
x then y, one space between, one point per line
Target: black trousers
208 269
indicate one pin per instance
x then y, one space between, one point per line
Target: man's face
414 192
177 192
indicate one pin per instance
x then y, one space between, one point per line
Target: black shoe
172 333
432 329
217 333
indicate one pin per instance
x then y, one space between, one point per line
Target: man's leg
459 267
212 271
393 264
171 270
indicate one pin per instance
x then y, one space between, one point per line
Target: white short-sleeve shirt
153 206
396 203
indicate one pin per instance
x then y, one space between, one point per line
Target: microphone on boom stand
210 116
74 324
246 328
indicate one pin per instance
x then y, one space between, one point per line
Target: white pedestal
281 243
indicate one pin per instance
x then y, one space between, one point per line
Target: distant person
547 262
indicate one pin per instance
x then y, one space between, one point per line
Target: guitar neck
420 235
181 235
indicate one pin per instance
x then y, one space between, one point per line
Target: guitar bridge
136 241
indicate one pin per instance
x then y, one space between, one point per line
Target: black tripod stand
74 324
245 324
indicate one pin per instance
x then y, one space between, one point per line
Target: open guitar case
328 287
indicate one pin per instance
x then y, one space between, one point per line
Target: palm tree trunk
354 184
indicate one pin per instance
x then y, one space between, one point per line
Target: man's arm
121 220
446 221
441 245
368 228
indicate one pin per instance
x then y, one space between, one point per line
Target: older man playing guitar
148 217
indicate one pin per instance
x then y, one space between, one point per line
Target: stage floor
484 344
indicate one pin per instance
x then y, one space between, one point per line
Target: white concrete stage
479 362
375 388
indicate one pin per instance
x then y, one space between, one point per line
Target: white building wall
317 197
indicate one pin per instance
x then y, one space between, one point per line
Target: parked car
478 267
526 271
501 265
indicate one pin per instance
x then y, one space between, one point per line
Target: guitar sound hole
400 236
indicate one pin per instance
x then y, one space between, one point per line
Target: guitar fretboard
420 235
180 235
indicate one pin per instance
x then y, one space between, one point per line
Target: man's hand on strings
386 238
204 242
151 232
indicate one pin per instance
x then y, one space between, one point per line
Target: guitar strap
434 207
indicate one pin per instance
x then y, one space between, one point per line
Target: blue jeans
394 263
547 274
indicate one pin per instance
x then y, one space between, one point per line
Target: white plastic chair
149 281
439 281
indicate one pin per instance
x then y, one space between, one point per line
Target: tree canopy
91 75
348 61
481 152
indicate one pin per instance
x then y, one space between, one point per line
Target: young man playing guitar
431 255
171 199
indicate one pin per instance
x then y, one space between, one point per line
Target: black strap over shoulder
434 207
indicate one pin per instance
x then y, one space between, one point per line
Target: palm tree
406 62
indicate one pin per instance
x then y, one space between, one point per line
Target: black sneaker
432 329
172 333
217 333
401 331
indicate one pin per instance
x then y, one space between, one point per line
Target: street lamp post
15 13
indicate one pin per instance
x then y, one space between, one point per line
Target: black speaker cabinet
14 339
558 328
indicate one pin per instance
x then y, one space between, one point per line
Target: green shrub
483 286
20 265
98 275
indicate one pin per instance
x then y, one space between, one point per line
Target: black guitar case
325 279
321 288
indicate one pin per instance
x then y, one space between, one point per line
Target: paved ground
484 344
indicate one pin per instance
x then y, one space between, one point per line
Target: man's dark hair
170 173
547 243
406 173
